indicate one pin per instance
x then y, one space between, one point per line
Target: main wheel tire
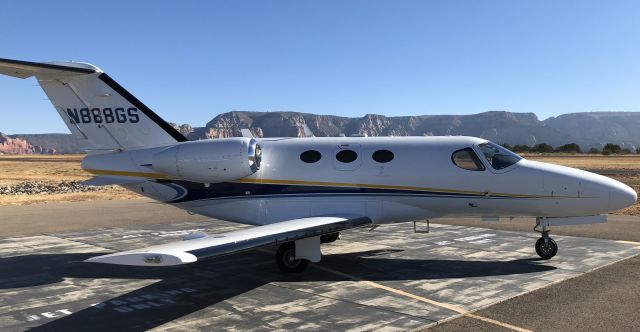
546 248
285 258
328 238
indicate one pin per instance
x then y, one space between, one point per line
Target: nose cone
596 193
621 196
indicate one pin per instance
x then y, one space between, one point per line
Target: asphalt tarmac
607 299
454 278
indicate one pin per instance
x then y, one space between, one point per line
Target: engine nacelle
210 161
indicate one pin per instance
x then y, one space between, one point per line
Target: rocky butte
594 129
9 145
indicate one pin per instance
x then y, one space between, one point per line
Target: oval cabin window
310 156
346 156
467 159
383 156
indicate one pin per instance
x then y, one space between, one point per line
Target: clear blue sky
191 60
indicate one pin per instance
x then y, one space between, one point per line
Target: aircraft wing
190 250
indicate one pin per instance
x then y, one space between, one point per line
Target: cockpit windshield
497 156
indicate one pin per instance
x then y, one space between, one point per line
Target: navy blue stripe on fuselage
233 190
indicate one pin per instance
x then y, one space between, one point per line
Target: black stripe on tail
142 107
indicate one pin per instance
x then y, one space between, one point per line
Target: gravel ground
37 187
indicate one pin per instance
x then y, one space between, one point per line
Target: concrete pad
45 285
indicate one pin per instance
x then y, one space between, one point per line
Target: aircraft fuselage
420 181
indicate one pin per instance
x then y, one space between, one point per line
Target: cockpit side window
497 156
467 159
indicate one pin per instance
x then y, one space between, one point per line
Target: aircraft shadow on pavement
183 290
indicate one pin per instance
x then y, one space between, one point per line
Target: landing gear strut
546 247
286 259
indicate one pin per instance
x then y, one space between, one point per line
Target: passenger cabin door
347 157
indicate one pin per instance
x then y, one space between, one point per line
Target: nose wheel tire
546 248
286 259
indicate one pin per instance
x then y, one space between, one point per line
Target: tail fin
96 109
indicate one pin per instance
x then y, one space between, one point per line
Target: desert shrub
611 148
594 151
569 148
521 148
542 148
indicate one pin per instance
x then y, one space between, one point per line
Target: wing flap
189 251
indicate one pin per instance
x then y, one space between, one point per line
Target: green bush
611 148
543 148
569 148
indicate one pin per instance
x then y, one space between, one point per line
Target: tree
521 148
507 146
611 148
543 148
569 148
594 151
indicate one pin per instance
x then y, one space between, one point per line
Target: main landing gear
546 247
287 261
295 256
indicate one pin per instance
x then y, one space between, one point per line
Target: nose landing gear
295 256
546 247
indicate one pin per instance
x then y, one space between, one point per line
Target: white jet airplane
301 192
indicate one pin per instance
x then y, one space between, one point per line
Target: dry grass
592 162
51 169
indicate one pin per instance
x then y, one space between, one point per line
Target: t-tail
97 110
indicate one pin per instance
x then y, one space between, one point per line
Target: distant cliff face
504 127
52 143
597 128
586 129
10 145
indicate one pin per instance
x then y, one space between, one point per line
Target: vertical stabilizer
95 108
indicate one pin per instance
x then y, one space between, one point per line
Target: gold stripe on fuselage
127 173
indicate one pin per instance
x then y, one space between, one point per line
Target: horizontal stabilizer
111 180
189 251
26 69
